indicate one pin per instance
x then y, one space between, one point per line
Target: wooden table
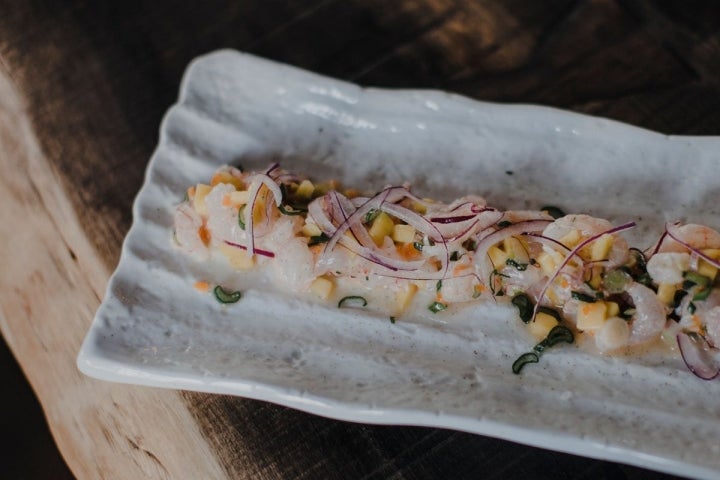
83 86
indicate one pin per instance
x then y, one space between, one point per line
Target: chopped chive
371 214
691 308
317 239
241 222
504 223
352 301
583 297
455 256
524 306
392 319
290 210
436 307
553 211
524 359
438 285
521 267
418 246
224 296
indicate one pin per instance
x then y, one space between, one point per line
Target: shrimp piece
222 218
650 316
574 229
668 267
697 236
189 228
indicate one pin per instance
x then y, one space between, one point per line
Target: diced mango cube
541 326
516 250
237 199
549 261
322 287
591 316
381 227
601 247
311 230
613 309
201 191
227 177
571 239
238 258
666 293
405 296
497 257
403 233
305 189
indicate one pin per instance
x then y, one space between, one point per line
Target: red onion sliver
700 358
265 253
671 230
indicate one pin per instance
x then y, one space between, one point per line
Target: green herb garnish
418 246
436 307
241 212
518 266
455 256
559 333
371 214
291 210
583 297
224 296
524 359
352 301
438 285
317 239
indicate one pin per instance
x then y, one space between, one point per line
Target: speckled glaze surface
453 371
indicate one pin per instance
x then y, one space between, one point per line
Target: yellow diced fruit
549 261
381 227
666 293
541 326
311 230
305 189
405 296
239 198
591 316
571 239
238 258
516 250
497 256
201 191
596 277
403 233
322 287
601 247
227 177
419 208
705 268
613 309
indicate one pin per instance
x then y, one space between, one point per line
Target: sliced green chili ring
583 297
293 210
241 222
553 211
318 239
352 301
696 279
418 246
224 296
524 359
521 267
559 333
615 281
436 307
524 306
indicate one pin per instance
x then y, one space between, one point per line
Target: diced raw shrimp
649 318
222 218
697 236
614 334
577 228
188 228
668 267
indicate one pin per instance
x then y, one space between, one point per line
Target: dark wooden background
98 76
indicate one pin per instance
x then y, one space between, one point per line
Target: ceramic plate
451 370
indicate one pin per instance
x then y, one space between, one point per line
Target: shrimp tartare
568 275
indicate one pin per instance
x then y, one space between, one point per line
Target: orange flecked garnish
226 201
202 286
459 268
204 234
407 251
191 192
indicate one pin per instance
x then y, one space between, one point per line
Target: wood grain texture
84 86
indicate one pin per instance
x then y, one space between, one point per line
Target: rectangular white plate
154 328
